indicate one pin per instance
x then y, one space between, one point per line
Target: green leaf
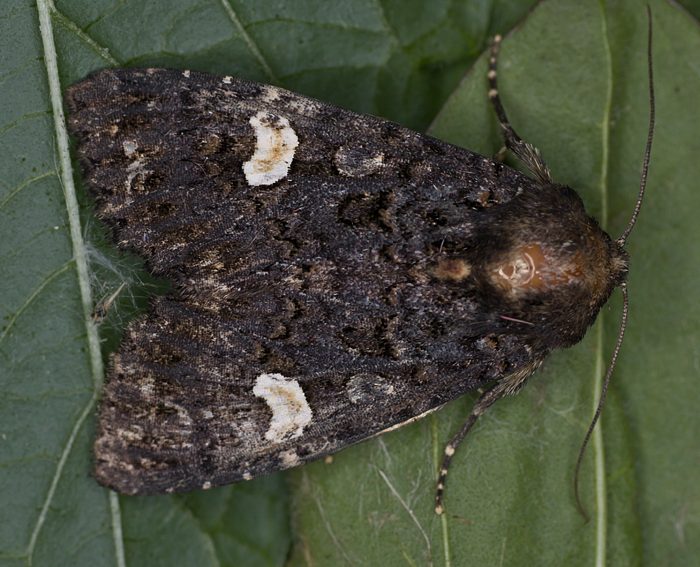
573 79
693 7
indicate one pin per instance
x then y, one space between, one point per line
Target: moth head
552 265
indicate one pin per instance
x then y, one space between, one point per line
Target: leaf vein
385 22
45 8
326 68
410 512
58 473
32 297
317 24
28 116
327 524
86 38
22 66
598 448
117 535
205 534
26 183
252 46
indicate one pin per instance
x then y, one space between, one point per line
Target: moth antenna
601 400
650 137
527 153
486 400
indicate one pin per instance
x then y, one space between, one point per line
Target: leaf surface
573 79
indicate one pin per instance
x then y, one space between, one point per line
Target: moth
334 275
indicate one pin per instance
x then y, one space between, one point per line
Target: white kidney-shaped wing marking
275 143
290 410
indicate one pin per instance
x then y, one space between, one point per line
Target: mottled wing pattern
317 297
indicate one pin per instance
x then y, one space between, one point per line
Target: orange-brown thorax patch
530 267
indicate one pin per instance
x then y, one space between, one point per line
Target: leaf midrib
45 8
601 513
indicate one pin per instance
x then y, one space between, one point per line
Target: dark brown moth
335 275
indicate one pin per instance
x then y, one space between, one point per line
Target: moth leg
99 313
527 153
508 386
